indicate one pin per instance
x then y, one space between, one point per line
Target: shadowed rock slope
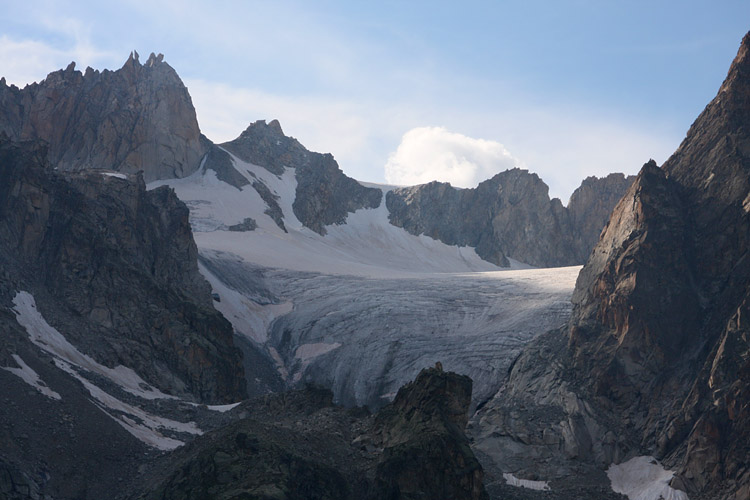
298 445
139 117
657 361
115 266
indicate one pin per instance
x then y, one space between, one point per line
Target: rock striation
510 216
139 117
656 357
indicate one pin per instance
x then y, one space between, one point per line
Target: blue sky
412 90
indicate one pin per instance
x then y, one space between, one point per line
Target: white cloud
28 61
433 153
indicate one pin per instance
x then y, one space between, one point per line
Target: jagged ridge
139 117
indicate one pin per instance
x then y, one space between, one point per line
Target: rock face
116 267
139 117
510 216
298 446
324 195
590 207
425 452
657 355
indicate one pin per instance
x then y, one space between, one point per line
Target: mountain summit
139 117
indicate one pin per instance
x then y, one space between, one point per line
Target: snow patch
643 478
115 174
53 342
512 480
141 424
136 421
224 408
28 375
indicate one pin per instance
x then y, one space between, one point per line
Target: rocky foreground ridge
656 358
297 445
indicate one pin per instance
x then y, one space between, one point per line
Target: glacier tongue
390 302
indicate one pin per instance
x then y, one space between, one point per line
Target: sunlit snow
115 174
367 245
366 286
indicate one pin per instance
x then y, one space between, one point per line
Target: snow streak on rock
141 424
53 342
28 375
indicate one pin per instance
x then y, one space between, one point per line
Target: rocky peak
591 205
324 195
266 145
445 396
712 161
738 76
663 294
139 117
642 249
422 433
154 59
276 127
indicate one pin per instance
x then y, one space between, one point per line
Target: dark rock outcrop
324 194
657 358
274 210
510 215
425 451
219 161
139 117
115 266
248 224
298 445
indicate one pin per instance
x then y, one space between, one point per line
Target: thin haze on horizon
404 92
